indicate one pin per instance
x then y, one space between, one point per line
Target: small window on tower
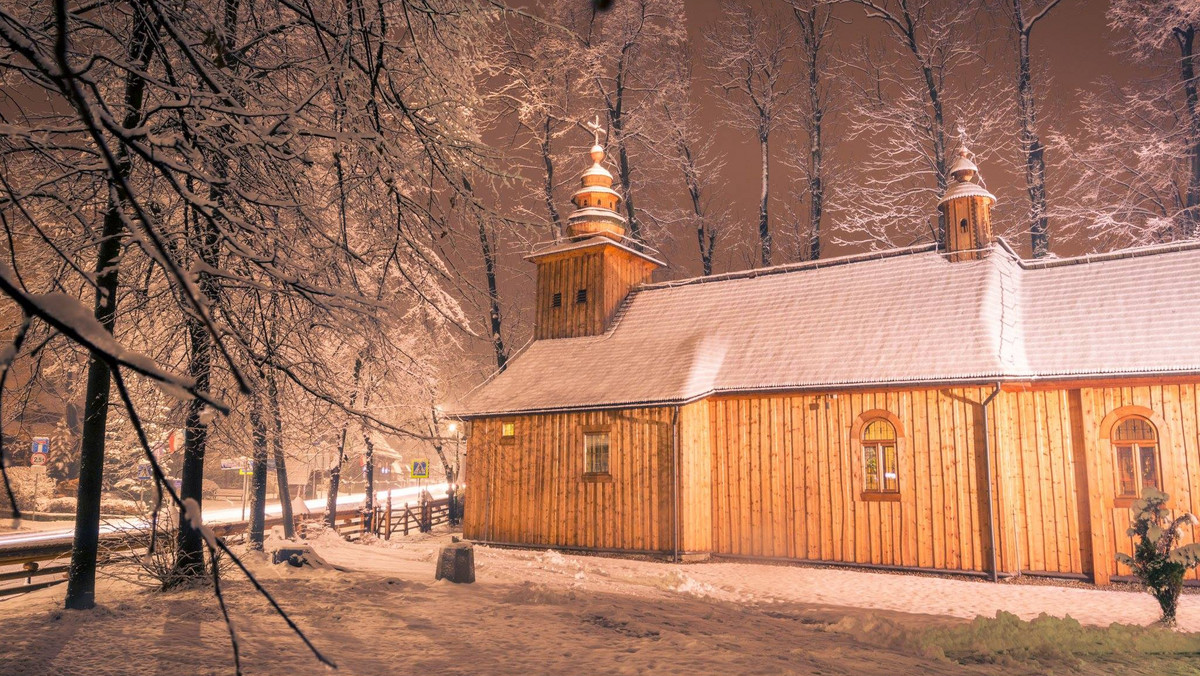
581 296
508 432
962 225
556 300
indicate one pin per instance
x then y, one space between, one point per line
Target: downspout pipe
675 481
994 575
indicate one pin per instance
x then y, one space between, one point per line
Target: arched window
1136 443
880 474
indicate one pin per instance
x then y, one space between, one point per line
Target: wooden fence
388 518
45 564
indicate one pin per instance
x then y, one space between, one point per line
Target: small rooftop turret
967 209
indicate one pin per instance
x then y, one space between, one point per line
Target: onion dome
964 179
596 203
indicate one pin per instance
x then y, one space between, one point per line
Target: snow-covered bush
1156 561
31 488
61 505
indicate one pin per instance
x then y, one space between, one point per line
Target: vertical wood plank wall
1175 413
606 272
780 476
787 479
695 478
532 491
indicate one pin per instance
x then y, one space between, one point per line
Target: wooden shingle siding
534 492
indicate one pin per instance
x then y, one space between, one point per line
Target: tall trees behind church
748 52
909 97
1021 16
697 162
814 21
1136 164
630 55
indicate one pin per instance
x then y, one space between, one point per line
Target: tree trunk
764 232
81 577
206 236
816 178
489 265
548 186
335 473
1035 163
368 463
281 476
258 475
1187 62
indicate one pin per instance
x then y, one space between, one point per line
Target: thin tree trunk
258 475
489 265
548 186
368 462
335 473
764 231
1035 163
816 177
281 476
189 554
1186 39
81 577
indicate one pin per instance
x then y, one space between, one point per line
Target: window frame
857 433
594 431
505 423
878 448
1137 451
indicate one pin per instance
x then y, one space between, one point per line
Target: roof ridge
792 267
1130 252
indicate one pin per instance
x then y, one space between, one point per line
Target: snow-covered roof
902 317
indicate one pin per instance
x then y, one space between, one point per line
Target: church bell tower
582 280
967 210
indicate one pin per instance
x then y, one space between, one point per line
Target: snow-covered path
764 583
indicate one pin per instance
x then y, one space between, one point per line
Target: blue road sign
420 469
39 450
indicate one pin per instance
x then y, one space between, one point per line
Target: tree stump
456 562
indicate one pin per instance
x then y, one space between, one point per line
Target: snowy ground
545 612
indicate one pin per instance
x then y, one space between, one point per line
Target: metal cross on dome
596 129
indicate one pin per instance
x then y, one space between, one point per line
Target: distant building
948 408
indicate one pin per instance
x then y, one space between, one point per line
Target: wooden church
949 408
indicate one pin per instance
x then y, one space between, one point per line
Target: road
223 515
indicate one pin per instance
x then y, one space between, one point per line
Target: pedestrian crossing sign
420 469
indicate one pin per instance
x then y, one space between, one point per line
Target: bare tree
630 52
698 162
748 51
815 20
1022 17
903 107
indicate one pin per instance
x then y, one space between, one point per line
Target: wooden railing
388 518
45 564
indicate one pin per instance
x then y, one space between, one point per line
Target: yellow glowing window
508 429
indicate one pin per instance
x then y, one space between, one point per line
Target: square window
595 452
508 429
581 296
